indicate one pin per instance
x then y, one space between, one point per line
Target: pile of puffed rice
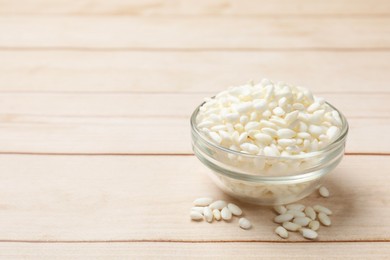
268 118
205 208
292 217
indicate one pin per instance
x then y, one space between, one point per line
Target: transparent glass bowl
267 180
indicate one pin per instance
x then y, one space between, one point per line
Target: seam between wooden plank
146 154
140 116
215 15
129 92
166 92
367 154
197 49
95 154
115 116
186 241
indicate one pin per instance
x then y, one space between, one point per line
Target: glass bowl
267 180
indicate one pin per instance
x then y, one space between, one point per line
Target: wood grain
112 85
112 198
159 250
71 123
123 71
194 7
187 33
135 135
174 105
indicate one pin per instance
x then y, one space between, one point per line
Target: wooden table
95 99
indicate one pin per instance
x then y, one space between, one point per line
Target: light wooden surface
195 7
95 100
177 250
195 32
45 123
112 70
147 198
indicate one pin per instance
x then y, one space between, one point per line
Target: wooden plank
127 122
78 71
95 135
195 7
158 104
132 198
145 135
158 250
209 32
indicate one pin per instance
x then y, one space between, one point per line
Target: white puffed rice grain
217 214
244 223
324 192
226 214
309 211
280 209
283 218
219 204
296 213
282 232
196 215
308 233
319 208
202 202
298 207
208 214
234 209
314 225
198 209
302 221
291 226
324 219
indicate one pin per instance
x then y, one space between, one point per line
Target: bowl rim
335 143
